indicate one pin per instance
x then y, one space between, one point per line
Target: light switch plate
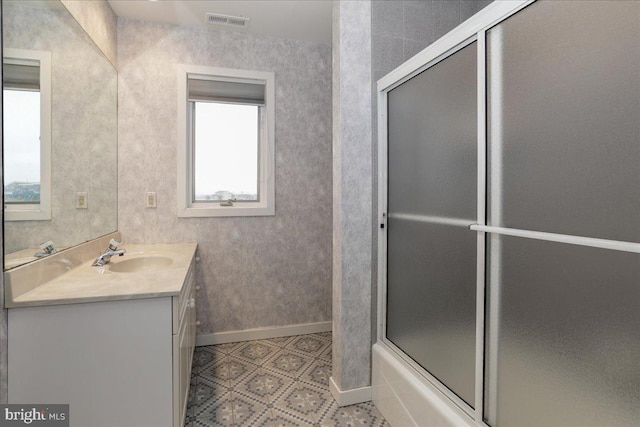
82 202
151 199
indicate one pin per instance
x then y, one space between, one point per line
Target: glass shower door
563 328
432 194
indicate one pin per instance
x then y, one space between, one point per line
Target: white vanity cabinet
116 363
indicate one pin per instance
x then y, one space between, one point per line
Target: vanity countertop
84 283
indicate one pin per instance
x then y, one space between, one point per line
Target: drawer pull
192 303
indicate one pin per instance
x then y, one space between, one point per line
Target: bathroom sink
141 264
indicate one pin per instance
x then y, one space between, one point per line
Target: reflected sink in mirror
15 262
23 256
144 264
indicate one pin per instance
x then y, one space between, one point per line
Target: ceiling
308 20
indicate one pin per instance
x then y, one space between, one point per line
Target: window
26 84
225 142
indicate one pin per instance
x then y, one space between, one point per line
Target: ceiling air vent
227 20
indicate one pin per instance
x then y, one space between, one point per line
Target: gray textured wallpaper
254 272
352 273
402 28
99 21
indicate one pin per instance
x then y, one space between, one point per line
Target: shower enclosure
509 178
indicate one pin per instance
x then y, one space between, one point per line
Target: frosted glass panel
431 300
432 200
564 109
563 342
432 140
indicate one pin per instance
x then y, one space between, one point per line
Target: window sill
16 213
226 211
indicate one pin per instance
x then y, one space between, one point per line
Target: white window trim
42 210
266 205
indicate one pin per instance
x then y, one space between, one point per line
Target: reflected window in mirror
26 86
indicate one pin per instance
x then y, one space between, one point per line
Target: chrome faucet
47 249
112 250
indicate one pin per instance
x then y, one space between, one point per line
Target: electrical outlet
151 199
82 202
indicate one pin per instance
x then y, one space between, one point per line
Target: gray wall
99 21
352 192
402 28
254 272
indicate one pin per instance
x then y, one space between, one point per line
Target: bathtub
406 398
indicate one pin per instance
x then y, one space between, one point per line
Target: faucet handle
48 247
113 244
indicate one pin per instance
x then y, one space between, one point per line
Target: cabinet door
191 327
182 371
184 343
110 361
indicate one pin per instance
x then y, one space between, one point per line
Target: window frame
186 205
260 139
35 211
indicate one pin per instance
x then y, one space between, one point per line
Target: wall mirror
60 132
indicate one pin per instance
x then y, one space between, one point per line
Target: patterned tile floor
274 382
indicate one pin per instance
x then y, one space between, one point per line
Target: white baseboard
349 397
262 333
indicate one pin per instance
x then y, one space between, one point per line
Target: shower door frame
472 30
